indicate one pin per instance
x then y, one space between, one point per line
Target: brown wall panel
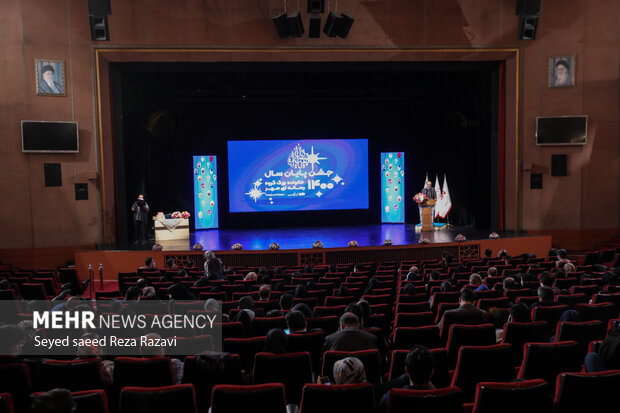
482 21
167 22
129 22
444 23
401 32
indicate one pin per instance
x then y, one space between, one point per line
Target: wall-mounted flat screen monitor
561 130
39 136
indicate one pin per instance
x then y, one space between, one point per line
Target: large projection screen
297 175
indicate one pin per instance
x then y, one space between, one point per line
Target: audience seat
476 364
292 369
73 375
179 398
587 392
518 334
462 318
530 396
142 372
246 348
448 400
468 335
582 332
228 398
204 372
15 379
6 403
338 398
329 324
414 319
602 311
547 360
406 337
90 401
262 325
441 374
312 342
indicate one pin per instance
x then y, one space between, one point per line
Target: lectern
427 214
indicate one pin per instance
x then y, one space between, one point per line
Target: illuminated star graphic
318 194
337 179
258 182
255 193
313 158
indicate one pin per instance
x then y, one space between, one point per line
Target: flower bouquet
274 246
353 243
460 238
237 246
317 244
185 214
197 247
494 235
420 198
387 242
157 247
425 241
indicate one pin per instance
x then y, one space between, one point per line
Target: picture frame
561 71
50 77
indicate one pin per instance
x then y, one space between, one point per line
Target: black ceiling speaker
295 25
99 28
330 28
316 6
314 28
281 24
527 28
99 7
344 25
528 8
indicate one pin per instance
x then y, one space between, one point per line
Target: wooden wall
39 217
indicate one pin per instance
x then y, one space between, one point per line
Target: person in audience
488 253
286 301
547 279
419 367
4 284
264 292
359 267
446 259
53 401
95 351
246 302
607 357
475 281
251 276
151 350
349 370
140 211
569 268
492 272
413 274
301 291
562 258
466 306
214 269
545 298
342 291
409 289
149 264
434 275
304 308
446 287
11 342
149 293
366 311
350 337
276 342
296 322
356 309
212 306
171 263
520 313
509 283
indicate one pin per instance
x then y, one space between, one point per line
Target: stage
296 247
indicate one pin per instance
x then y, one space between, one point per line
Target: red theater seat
448 400
177 398
406 337
518 334
15 379
587 392
90 401
254 398
518 397
204 372
338 398
294 370
547 360
73 375
441 374
246 348
468 335
6 403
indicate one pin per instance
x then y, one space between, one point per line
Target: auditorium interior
284 254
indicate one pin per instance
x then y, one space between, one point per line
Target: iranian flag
446 202
438 204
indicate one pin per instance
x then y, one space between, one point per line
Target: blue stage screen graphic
392 187
297 175
205 192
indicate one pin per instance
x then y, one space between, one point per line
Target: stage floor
331 237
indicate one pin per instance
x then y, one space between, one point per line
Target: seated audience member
419 367
251 276
12 341
212 306
4 284
214 270
488 253
304 308
434 275
264 292
171 263
502 254
359 267
276 342
475 281
519 313
608 355
569 268
301 291
246 302
366 310
545 298
53 401
149 265
356 309
342 291
296 321
149 293
562 258
94 351
286 301
350 337
466 306
492 272
509 283
413 274
349 370
446 287
409 289
150 349
446 259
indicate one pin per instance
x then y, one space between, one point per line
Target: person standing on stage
140 210
430 193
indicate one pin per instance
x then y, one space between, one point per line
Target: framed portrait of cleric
562 71
50 77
